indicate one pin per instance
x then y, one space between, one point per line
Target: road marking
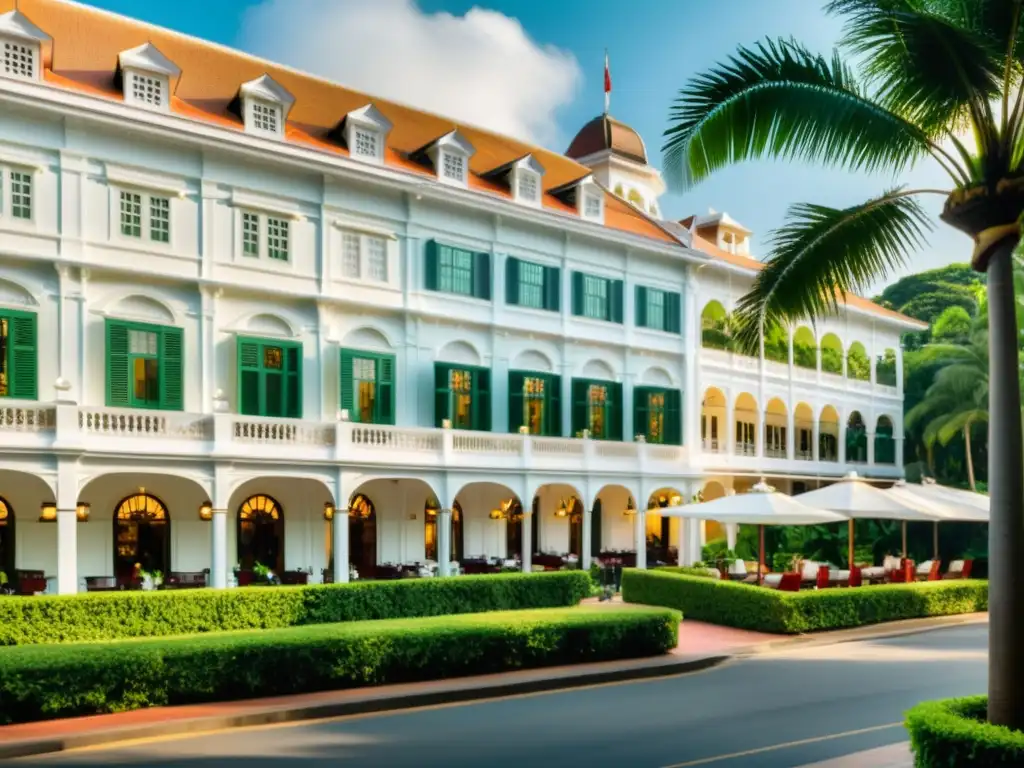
787 745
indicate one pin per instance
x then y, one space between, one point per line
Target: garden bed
768 610
41 682
112 615
954 733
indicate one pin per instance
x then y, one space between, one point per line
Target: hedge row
954 733
767 610
683 570
48 681
112 615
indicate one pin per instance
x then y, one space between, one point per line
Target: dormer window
585 195
523 177
449 155
146 76
592 205
527 189
147 90
454 167
364 131
264 104
365 144
20 45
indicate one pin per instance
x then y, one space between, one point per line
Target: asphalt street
790 708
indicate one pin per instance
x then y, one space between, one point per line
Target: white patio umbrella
953 504
856 498
761 506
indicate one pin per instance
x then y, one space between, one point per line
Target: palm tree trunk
970 461
1006 489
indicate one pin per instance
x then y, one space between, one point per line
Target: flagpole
607 83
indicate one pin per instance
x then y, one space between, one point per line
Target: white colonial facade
220 346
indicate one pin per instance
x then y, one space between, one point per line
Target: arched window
261 533
362 535
142 538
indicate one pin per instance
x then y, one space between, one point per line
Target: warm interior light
206 510
496 514
630 508
563 509
82 511
328 511
48 512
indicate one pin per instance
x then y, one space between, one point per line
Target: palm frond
821 254
778 100
930 435
932 69
956 423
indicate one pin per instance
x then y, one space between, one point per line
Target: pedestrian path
892 756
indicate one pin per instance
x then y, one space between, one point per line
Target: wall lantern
48 512
206 511
496 514
82 511
563 509
630 508
328 511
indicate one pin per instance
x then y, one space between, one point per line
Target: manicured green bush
682 570
48 681
106 616
954 733
768 610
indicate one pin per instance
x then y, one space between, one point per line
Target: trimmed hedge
954 733
768 610
113 615
48 681
682 570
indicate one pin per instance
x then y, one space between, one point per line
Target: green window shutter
577 293
293 381
516 381
346 384
641 306
615 301
579 405
640 410
673 417
511 280
673 313
248 352
615 410
482 399
482 275
553 407
441 392
430 266
552 288
23 357
595 529
118 378
386 389
172 355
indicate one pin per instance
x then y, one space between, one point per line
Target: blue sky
654 45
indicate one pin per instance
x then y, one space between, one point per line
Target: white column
732 531
730 426
640 536
588 536
339 545
899 451
871 448
841 440
444 541
790 437
815 439
219 549
692 391
526 556
684 541
67 552
899 370
693 546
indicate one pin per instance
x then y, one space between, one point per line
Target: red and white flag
607 82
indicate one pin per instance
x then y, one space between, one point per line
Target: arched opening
858 364
745 418
662 532
261 534
362 535
776 344
803 440
885 368
712 421
805 349
6 541
831 354
828 434
885 441
856 439
142 538
573 509
714 325
636 198
775 429
714 532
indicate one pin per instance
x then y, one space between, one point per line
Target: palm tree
933 72
958 398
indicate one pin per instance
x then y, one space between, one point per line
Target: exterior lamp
630 508
328 511
48 512
82 511
206 511
433 507
563 509
676 500
496 514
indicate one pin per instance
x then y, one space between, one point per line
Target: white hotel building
250 315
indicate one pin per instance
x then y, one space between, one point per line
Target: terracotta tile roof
746 262
83 57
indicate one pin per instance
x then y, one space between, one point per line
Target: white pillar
339 545
790 434
899 452
815 439
444 541
219 549
588 536
67 552
640 536
527 542
732 531
871 447
684 541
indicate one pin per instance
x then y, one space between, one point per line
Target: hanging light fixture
496 514
563 509
206 511
328 511
433 506
630 508
48 512
82 511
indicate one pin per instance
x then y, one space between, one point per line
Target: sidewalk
893 756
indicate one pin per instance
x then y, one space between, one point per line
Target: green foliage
106 616
44 682
952 326
681 570
784 561
951 733
776 345
768 610
805 356
957 282
885 368
858 365
831 360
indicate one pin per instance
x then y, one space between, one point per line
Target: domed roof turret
605 133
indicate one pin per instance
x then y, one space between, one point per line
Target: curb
273 715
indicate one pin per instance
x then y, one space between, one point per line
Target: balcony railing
746 449
27 418
775 453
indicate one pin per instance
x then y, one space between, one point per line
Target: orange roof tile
83 57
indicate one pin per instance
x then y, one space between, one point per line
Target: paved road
787 709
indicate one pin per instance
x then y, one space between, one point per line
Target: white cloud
480 68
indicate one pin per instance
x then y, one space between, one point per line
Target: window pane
595 297
527 186
160 219
350 255
147 90
145 381
367 396
264 117
655 309
21 195
366 143
597 407
531 285
455 270
534 398
277 239
273 358
250 234
454 166
656 417
274 383
377 258
18 60
460 383
131 214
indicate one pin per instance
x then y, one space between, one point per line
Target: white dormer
21 44
525 180
265 105
146 76
585 195
365 133
450 155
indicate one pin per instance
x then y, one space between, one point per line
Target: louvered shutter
516 382
293 381
482 399
430 266
386 389
442 394
579 405
673 313
615 412
674 417
172 369
482 275
553 407
615 301
511 280
346 384
552 288
118 374
23 360
641 306
249 377
577 293
640 410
